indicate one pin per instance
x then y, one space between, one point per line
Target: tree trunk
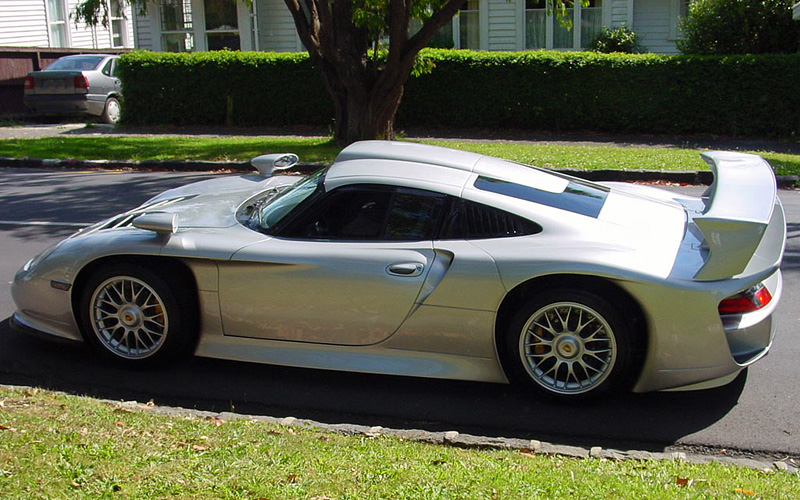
363 110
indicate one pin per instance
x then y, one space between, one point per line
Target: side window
108 68
470 220
367 212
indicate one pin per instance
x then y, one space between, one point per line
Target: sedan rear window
80 63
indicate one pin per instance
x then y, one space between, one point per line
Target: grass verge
320 149
58 446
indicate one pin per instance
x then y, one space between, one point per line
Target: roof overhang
796 11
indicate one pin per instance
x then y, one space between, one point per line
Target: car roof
430 167
88 55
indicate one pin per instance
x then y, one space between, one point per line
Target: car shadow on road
636 421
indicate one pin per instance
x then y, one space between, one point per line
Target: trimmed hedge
643 93
222 88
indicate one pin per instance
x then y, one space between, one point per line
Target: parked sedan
79 85
416 260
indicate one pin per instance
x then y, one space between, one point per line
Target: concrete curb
677 177
469 441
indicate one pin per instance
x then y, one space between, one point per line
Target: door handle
405 269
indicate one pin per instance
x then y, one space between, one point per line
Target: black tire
570 344
111 111
136 317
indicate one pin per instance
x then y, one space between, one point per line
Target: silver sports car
416 260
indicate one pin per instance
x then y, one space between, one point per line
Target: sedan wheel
112 111
570 344
137 317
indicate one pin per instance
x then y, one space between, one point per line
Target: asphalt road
758 412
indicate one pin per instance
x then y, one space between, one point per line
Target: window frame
289 227
117 24
482 13
188 31
551 22
54 21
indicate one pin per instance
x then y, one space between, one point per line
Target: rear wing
743 221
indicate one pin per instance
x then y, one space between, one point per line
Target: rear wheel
134 316
111 112
570 344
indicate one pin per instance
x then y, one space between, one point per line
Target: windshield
79 63
277 208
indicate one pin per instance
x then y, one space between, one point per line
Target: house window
222 25
544 31
176 25
119 25
463 32
57 23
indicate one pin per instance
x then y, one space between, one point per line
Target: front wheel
570 344
134 316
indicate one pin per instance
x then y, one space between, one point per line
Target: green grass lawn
319 149
56 446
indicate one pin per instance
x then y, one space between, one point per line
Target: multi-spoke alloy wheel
129 317
573 343
568 348
137 315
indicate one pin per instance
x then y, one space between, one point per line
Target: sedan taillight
28 82
81 82
750 300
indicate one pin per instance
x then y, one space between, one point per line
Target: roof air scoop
268 164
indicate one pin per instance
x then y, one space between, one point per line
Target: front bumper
20 324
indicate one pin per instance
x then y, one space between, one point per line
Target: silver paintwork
430 308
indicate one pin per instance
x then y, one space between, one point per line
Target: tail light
81 82
28 82
750 300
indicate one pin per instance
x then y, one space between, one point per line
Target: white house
199 25
796 11
50 23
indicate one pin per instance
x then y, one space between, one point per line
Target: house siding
502 25
146 30
651 20
620 12
23 23
276 30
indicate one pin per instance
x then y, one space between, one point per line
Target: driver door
346 271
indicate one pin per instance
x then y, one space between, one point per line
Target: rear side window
470 220
109 68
